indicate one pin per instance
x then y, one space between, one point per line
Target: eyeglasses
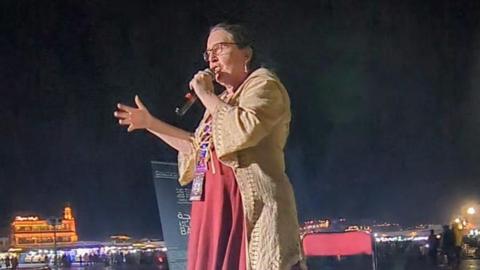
216 50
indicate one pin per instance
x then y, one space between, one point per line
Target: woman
243 211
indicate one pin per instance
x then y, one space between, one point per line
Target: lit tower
67 213
68 222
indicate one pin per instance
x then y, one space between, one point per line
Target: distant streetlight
471 211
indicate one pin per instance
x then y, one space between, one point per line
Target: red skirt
217 238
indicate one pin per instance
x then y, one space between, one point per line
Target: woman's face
226 60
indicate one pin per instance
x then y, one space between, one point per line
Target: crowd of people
94 259
9 262
118 258
444 249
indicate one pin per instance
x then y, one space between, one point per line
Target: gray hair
242 38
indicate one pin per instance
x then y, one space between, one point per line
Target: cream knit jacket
249 135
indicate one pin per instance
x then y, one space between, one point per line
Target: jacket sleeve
186 167
261 105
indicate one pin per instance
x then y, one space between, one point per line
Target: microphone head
210 72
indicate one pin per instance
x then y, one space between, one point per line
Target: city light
471 211
20 218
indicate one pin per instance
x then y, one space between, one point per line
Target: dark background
385 99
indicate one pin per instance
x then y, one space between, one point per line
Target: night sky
385 101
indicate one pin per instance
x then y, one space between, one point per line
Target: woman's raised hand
134 118
202 82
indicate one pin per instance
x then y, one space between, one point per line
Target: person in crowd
448 244
457 242
433 243
14 262
7 262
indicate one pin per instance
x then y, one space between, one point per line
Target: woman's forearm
177 138
210 101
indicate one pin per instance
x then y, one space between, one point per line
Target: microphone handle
190 97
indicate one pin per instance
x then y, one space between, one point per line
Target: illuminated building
120 238
31 231
353 228
313 226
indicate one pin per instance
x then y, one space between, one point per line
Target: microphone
190 97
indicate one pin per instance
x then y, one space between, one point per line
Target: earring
246 68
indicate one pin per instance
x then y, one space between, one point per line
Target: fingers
124 122
201 76
125 113
125 107
201 81
139 103
127 122
122 114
